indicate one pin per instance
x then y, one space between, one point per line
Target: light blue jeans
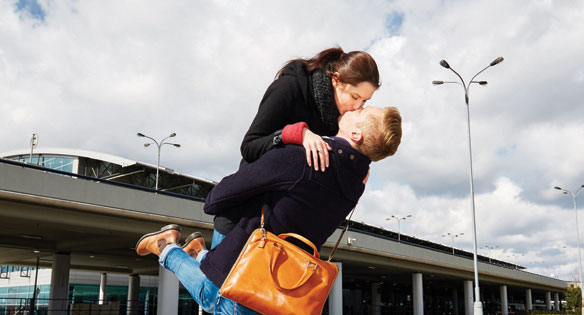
217 238
188 271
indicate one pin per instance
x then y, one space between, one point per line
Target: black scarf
325 100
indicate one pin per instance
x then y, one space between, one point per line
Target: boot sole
163 229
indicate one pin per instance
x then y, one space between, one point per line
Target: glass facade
83 293
5 271
19 297
56 162
14 295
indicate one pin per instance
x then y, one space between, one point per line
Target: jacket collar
350 165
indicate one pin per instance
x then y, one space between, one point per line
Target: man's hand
316 149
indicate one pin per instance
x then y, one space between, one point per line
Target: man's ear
356 136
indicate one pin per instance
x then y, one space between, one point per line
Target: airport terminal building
69 221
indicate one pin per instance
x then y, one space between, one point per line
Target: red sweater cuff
293 133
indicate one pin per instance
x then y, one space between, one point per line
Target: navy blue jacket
295 199
288 100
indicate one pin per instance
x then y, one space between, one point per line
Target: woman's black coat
288 100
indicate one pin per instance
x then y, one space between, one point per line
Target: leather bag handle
310 243
303 239
342 233
308 270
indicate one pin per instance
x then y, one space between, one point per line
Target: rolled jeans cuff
167 249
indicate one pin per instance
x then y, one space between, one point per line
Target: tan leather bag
273 276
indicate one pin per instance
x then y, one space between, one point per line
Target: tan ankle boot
154 243
194 244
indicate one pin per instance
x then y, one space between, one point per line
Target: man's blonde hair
382 134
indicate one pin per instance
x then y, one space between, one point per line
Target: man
293 197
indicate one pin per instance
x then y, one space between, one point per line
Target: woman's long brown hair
353 67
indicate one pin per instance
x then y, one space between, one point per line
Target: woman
304 103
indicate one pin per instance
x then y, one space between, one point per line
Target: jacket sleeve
292 134
274 171
273 115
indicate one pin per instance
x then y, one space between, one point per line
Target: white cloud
526 233
92 74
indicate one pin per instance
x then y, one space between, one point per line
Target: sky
91 74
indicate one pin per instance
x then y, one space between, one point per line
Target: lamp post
398 224
159 145
515 258
489 248
574 196
35 292
478 306
452 236
34 141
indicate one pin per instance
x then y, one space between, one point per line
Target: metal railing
21 306
101 180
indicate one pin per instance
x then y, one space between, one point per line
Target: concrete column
528 304
455 300
468 298
102 288
418 294
335 300
167 292
556 301
375 298
548 300
133 294
504 304
59 284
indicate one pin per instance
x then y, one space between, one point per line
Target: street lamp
515 256
574 196
478 306
398 224
489 248
452 236
34 141
159 145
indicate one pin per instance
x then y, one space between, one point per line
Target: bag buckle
308 265
262 243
